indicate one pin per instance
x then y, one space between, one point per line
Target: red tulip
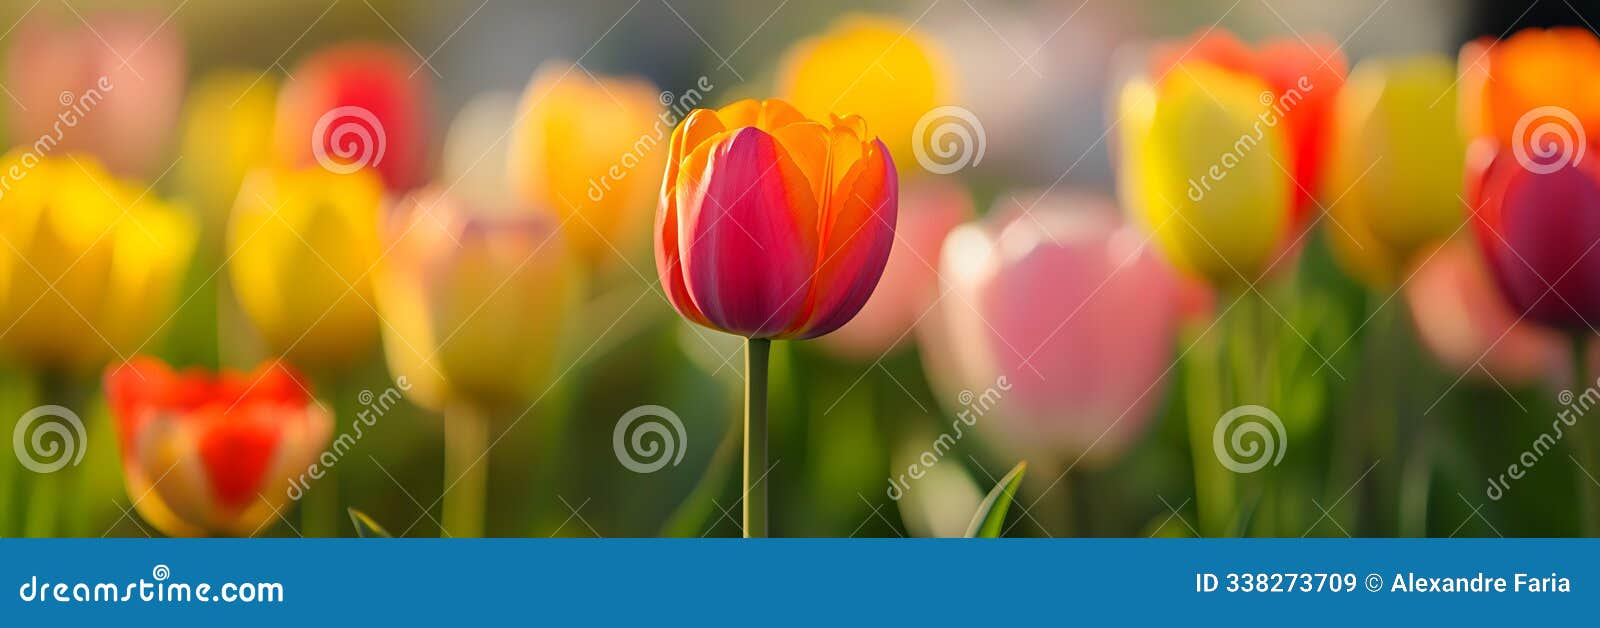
357 106
772 225
211 453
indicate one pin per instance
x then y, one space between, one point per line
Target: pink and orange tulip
773 225
213 453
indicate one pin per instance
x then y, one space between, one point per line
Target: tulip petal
1541 235
1536 68
701 125
809 145
856 239
747 233
1305 77
767 115
236 451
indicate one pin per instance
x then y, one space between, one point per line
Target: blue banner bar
934 582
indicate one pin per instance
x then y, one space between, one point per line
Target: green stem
321 513
54 496
1213 484
1583 437
466 471
755 437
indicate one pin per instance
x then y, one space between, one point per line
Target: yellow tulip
1397 166
227 132
877 67
1217 211
477 303
1224 148
90 266
587 151
302 245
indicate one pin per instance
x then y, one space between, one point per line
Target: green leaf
366 528
991 513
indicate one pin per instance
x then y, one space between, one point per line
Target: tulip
1533 194
910 279
1397 166
477 303
879 68
227 132
354 107
1464 322
213 454
582 149
772 225
1222 149
93 263
1531 189
1058 331
301 246
108 84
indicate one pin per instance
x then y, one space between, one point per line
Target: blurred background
1386 430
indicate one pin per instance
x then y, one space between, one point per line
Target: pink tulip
929 209
1063 318
1465 322
110 87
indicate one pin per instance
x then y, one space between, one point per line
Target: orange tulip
210 453
772 225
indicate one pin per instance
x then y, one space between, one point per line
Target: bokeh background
1387 433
